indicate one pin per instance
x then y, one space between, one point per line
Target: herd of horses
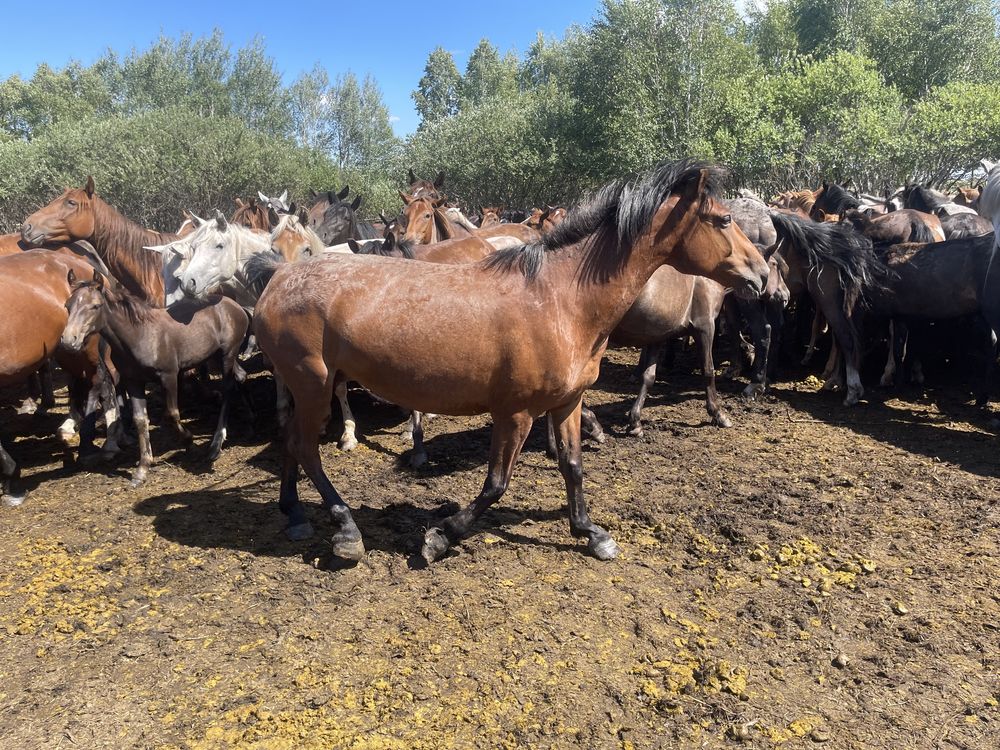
507 313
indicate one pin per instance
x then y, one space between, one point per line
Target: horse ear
263 198
390 241
381 216
356 204
240 203
71 278
695 188
284 198
413 177
198 221
345 192
304 217
89 187
291 208
353 244
439 181
220 220
99 280
407 199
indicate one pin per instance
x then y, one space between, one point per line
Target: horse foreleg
650 357
599 541
88 427
137 397
818 326
348 439
846 336
215 447
506 441
419 455
9 472
169 382
760 334
590 426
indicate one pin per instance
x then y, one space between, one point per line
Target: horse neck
602 299
119 331
120 243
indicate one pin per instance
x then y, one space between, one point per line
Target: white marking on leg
67 429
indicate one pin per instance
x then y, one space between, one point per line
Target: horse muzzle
32 235
72 341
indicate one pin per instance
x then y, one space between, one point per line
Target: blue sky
390 40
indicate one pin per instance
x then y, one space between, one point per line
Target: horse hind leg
599 542
418 457
9 473
348 439
506 441
137 396
650 357
312 387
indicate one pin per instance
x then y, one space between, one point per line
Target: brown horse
153 343
544 221
252 214
517 335
425 188
34 289
798 201
905 225
80 214
322 201
426 222
520 232
491 216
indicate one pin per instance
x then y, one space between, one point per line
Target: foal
150 343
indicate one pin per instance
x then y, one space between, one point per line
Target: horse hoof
753 390
418 459
721 420
299 532
636 431
603 548
348 549
435 545
348 444
137 481
214 453
599 437
852 398
12 501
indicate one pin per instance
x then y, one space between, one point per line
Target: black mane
922 199
835 200
609 222
833 245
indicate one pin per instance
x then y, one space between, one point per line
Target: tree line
786 93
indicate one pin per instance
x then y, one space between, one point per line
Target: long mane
609 222
122 242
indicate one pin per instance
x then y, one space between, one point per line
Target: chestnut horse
517 335
80 214
426 222
34 289
491 216
252 214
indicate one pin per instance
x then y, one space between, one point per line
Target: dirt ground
814 576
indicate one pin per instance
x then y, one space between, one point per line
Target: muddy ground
813 576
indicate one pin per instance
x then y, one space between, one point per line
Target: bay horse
80 214
34 288
517 335
491 216
150 343
836 265
543 221
905 225
252 214
420 188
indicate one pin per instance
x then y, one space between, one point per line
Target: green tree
437 93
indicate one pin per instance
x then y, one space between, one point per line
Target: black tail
259 270
920 232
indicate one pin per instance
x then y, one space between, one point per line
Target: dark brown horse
34 289
149 343
517 335
252 214
80 214
322 201
836 265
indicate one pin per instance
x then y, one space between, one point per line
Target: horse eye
726 220
70 202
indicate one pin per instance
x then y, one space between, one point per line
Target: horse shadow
912 430
236 519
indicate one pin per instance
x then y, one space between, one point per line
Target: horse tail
260 268
920 232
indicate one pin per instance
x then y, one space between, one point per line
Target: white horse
216 257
